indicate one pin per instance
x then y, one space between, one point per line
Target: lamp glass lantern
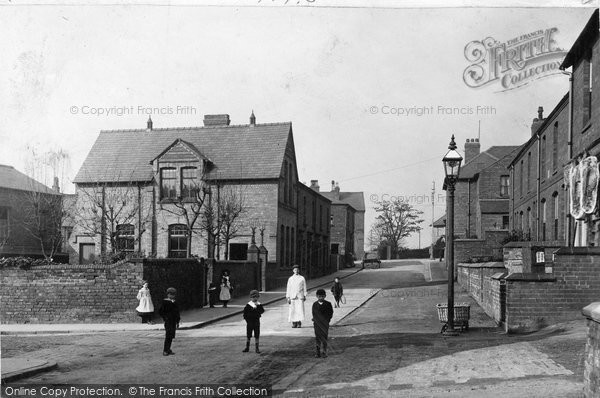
452 161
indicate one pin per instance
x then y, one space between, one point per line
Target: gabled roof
186 144
440 222
355 199
583 43
493 206
11 178
237 151
486 159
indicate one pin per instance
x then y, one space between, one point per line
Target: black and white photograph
300 198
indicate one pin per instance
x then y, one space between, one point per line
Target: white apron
296 291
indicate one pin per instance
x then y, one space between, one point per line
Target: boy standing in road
252 312
169 311
322 312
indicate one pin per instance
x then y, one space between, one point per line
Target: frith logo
515 63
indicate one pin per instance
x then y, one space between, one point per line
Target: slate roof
491 206
355 199
11 178
237 151
440 222
486 159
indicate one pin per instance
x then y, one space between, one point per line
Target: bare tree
231 206
41 215
195 208
110 209
395 221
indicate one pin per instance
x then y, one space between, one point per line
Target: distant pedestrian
212 295
252 313
337 290
442 246
169 311
226 288
322 312
145 309
296 296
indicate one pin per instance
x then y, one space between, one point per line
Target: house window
335 248
320 217
543 158
238 251
555 146
587 105
281 249
125 240
543 219
521 179
168 183
528 229
178 241
4 224
505 221
189 184
87 253
556 213
304 209
329 221
504 185
528 171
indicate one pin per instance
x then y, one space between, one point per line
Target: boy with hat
252 312
169 311
322 312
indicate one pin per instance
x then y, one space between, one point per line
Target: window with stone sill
4 222
168 184
125 237
178 241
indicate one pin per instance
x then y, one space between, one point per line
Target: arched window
178 241
544 219
556 214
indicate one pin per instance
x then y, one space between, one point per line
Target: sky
373 92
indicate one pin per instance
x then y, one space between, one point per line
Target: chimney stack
335 188
314 185
55 186
472 149
216 120
537 122
252 119
149 123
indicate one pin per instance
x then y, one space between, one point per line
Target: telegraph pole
432 219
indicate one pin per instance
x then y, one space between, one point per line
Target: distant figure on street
442 246
322 312
296 295
212 295
169 311
252 313
337 290
226 288
145 309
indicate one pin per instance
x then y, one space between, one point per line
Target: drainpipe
538 187
468 209
568 218
511 216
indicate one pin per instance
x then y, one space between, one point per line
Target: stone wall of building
477 280
591 371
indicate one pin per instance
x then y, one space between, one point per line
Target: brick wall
490 246
591 371
70 293
537 300
94 293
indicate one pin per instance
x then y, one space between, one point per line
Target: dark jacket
337 289
322 313
252 314
169 311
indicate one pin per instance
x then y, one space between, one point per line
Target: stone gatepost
591 372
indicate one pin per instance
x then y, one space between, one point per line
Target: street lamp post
452 162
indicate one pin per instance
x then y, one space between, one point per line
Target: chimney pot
149 123
472 149
252 119
314 184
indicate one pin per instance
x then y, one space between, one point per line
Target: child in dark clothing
337 290
322 312
252 312
169 311
213 295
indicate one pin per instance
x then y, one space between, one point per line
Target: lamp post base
451 332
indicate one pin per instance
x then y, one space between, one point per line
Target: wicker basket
462 312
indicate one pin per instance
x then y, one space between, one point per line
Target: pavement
17 368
